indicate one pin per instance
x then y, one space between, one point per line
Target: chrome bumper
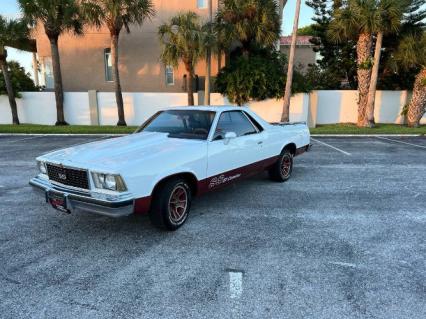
116 206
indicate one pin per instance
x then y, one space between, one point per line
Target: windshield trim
141 128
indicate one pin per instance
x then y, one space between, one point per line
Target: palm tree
183 39
12 32
116 15
249 22
57 17
287 95
411 53
389 13
207 85
357 19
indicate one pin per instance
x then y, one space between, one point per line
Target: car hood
117 152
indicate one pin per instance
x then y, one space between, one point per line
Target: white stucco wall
320 107
341 106
138 107
40 108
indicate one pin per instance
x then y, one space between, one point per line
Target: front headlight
42 167
109 181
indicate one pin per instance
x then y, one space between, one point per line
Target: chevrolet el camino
174 156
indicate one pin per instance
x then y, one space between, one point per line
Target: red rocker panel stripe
142 205
226 178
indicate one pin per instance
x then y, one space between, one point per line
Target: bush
257 77
21 80
317 79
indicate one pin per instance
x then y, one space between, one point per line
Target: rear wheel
172 202
282 169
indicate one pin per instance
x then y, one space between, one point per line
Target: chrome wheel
178 204
286 164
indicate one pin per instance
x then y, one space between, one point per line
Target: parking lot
344 238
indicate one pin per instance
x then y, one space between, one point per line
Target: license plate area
57 201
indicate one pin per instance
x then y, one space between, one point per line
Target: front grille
68 176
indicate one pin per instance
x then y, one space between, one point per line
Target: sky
9 8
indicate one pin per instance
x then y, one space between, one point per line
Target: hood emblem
62 176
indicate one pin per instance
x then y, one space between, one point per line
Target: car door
229 158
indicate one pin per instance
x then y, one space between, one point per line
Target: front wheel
172 202
282 169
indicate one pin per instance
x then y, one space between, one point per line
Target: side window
202 4
254 122
233 121
48 73
108 65
170 77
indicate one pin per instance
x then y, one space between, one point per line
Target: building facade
86 60
305 54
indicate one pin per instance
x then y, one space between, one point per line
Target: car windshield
189 124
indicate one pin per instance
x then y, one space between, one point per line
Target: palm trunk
417 107
190 79
287 95
208 76
207 85
9 89
57 77
116 79
364 74
373 82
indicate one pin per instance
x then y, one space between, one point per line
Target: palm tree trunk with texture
116 79
9 88
369 121
57 77
189 84
417 107
285 117
363 49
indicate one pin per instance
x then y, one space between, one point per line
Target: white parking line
331 146
389 139
235 284
338 263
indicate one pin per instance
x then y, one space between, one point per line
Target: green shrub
21 80
257 77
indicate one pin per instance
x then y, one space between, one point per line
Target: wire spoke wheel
285 166
178 204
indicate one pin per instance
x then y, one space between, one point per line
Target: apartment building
305 54
86 60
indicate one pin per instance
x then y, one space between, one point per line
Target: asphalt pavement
344 238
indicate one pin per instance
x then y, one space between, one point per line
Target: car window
233 121
254 122
190 124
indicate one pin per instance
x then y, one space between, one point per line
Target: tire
278 172
164 212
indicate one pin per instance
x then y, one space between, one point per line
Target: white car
177 154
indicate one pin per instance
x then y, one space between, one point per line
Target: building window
48 73
202 4
170 76
108 65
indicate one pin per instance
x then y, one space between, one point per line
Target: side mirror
229 136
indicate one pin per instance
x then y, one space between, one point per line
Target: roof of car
214 108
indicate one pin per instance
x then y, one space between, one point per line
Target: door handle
260 142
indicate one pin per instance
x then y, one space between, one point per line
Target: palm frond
14 33
117 14
57 16
183 38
